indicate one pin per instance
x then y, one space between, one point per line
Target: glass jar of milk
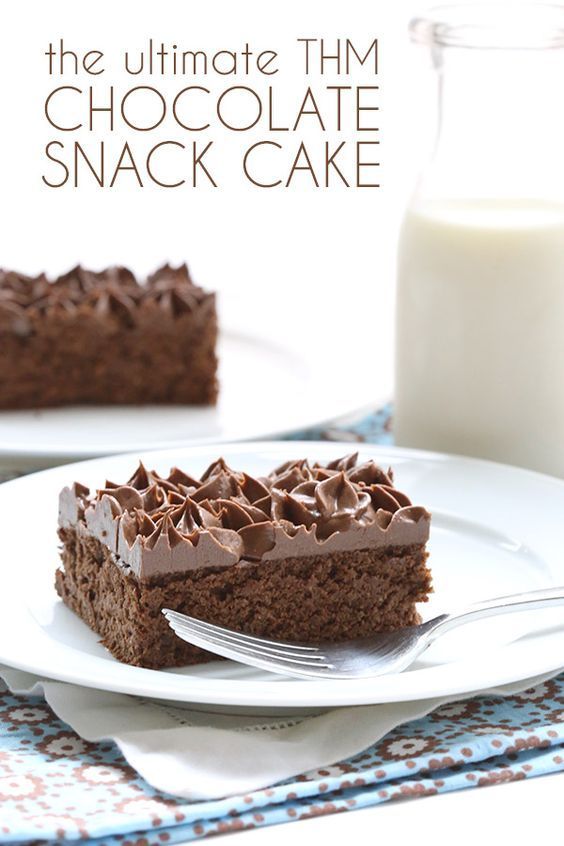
480 299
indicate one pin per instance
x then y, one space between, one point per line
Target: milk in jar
480 282
480 342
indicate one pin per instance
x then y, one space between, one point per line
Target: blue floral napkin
57 787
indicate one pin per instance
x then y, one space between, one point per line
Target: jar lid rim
491 25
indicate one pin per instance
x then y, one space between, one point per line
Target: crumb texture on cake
308 552
106 338
316 597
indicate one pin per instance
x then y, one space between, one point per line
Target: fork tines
263 652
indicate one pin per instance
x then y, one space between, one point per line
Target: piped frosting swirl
114 292
156 525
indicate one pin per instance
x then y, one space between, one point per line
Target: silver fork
387 652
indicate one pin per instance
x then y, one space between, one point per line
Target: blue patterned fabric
56 787
374 428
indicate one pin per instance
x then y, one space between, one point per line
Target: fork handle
529 601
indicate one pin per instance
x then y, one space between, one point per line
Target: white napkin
201 756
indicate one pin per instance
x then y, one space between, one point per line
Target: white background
314 267
286 261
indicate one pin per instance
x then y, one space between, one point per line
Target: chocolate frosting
157 525
113 293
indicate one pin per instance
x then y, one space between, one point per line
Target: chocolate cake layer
310 551
106 338
316 597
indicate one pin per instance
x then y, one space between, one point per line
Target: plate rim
364 402
206 691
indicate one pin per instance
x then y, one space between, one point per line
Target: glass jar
480 297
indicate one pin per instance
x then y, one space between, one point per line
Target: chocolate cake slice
106 338
310 552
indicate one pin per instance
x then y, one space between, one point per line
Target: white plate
266 391
496 530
